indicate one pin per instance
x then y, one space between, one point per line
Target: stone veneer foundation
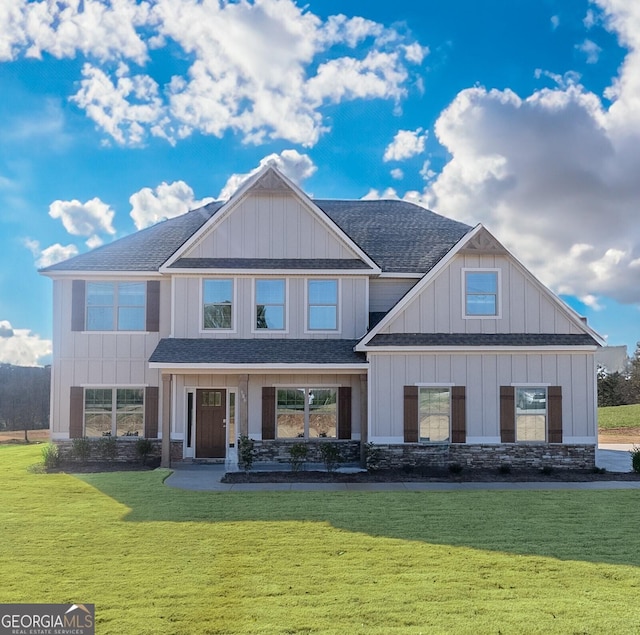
278 451
125 450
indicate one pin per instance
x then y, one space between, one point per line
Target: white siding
384 293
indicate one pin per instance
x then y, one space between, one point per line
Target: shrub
635 458
455 468
107 448
298 455
50 456
246 452
330 454
373 456
144 449
81 449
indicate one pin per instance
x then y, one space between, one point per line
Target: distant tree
611 388
632 385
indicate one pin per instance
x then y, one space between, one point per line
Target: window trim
437 386
306 389
115 306
498 272
544 386
234 304
114 409
254 306
338 305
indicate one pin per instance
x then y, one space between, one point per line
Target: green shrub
298 455
107 448
81 449
373 456
635 459
144 449
50 456
246 452
330 454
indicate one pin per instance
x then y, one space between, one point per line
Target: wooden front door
211 424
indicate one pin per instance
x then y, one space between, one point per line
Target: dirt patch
620 435
17 436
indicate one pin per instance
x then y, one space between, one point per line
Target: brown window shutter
458 414
77 305
554 414
76 412
151 395
507 414
411 414
268 412
344 412
153 306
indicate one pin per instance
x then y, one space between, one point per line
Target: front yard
158 560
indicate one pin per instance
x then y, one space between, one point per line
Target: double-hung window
531 413
116 306
270 304
434 412
113 412
306 413
217 304
322 309
481 293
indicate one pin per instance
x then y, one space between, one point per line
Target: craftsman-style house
290 319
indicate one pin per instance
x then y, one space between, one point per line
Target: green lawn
619 417
157 560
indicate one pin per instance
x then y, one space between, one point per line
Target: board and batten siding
353 314
270 226
482 374
384 293
526 307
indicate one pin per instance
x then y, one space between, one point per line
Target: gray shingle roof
257 351
399 236
269 263
482 339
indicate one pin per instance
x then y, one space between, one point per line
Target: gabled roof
392 235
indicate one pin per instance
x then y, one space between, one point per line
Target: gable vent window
481 296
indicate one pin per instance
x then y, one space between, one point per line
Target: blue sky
524 116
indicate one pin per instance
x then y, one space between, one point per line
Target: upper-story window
217 304
116 306
270 304
322 296
481 293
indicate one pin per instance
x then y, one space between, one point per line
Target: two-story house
285 318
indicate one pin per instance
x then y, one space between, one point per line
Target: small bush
81 449
330 454
107 448
298 455
144 449
505 468
373 456
635 459
50 456
455 468
599 470
246 452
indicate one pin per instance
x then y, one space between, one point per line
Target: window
270 304
322 305
310 413
116 306
531 414
434 413
481 293
113 412
217 301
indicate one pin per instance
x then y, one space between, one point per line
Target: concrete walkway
614 458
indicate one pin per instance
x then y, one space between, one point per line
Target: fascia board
470 350
417 289
264 368
364 273
101 274
409 276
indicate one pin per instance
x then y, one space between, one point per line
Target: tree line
24 397
620 388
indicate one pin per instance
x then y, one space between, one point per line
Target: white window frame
114 410
530 386
254 305
338 305
498 272
435 386
306 389
234 304
115 307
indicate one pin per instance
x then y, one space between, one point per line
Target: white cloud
291 163
555 22
22 347
397 174
406 144
84 219
165 201
554 174
374 194
50 255
591 50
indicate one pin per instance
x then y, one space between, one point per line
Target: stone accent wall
278 451
125 450
481 456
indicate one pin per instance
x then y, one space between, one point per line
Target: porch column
243 404
364 419
166 421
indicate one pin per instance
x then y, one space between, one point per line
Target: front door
211 433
